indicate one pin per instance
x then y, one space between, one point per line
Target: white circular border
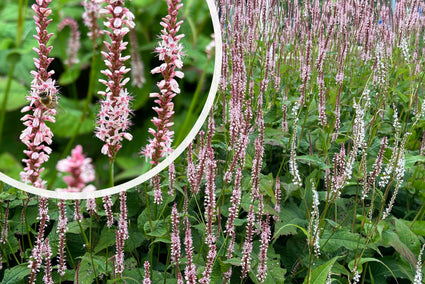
151 173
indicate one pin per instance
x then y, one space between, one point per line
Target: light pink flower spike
113 120
170 51
80 168
37 133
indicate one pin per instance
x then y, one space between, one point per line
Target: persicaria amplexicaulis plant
310 169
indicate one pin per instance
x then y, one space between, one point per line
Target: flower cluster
91 14
37 132
314 229
80 168
113 119
82 172
121 235
73 41
418 273
170 52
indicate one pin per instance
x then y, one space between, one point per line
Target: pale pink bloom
147 279
107 204
171 178
73 41
80 168
169 51
78 216
81 172
113 120
37 133
47 252
175 237
37 252
277 195
235 203
5 229
90 17
258 155
313 228
247 245
210 197
206 275
233 214
91 205
137 66
418 273
121 235
61 231
190 269
210 47
265 239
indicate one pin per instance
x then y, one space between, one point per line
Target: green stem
189 117
4 103
111 173
18 39
89 249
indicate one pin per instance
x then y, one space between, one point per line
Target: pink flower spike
91 14
37 132
147 279
80 168
113 120
169 50
73 42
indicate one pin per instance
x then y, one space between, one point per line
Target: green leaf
10 166
74 227
312 160
266 184
106 239
290 218
410 160
341 238
16 274
233 261
69 76
68 118
392 239
403 240
319 275
282 231
16 97
367 259
158 228
418 227
85 272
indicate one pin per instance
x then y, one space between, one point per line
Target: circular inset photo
99 96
